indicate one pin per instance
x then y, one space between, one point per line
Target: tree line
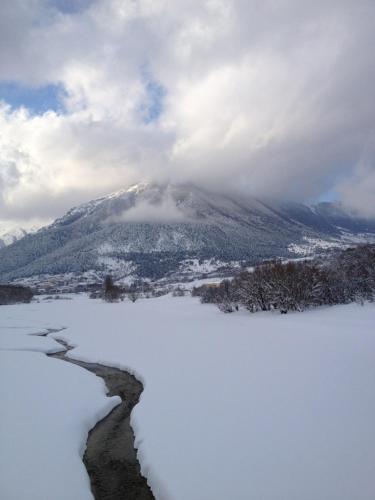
343 277
110 292
14 294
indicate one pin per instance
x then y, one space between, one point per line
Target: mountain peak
152 230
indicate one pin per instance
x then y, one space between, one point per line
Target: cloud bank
163 211
273 98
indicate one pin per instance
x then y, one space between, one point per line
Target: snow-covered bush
345 277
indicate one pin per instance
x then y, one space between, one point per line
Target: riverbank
110 456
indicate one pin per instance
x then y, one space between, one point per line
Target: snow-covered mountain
9 236
152 230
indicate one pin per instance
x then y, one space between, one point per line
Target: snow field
263 406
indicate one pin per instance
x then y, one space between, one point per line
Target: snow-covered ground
312 246
237 406
47 408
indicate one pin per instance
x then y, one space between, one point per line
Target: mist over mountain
10 235
154 230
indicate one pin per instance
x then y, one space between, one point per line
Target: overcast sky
273 97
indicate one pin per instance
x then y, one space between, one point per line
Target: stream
111 457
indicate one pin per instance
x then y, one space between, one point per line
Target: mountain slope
151 230
7 237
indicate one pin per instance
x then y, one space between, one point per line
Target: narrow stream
110 457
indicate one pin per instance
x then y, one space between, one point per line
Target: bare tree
112 293
347 276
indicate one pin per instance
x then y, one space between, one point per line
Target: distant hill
151 231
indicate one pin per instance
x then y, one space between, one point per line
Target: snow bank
237 406
10 341
47 408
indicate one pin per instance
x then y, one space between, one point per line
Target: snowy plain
249 407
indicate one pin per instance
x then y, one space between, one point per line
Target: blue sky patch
37 100
330 195
70 6
153 106
156 94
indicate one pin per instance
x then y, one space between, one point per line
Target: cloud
358 191
163 210
272 98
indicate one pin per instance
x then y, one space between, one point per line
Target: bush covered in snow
345 277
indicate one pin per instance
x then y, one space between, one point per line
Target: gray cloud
274 98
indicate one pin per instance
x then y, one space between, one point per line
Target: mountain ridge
149 230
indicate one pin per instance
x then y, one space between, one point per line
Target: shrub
347 276
13 294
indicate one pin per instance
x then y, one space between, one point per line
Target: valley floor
235 406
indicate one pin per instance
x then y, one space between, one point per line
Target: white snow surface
11 342
236 406
10 233
47 408
312 245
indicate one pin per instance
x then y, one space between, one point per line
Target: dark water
110 457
